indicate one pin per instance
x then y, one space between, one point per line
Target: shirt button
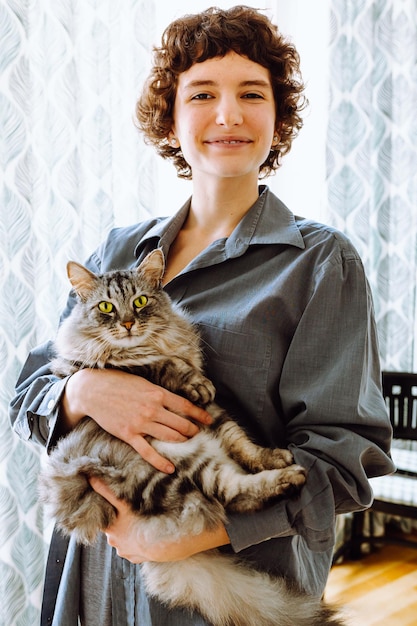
51 404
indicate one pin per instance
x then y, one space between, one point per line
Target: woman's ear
172 140
276 138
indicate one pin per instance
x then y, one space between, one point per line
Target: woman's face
224 116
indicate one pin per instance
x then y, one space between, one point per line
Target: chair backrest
400 391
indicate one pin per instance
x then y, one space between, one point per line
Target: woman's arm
124 535
130 408
336 420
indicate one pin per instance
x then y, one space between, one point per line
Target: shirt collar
268 221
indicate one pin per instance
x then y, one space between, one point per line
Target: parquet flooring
380 589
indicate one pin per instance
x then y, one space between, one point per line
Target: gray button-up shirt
286 319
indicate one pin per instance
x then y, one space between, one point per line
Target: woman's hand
131 408
124 535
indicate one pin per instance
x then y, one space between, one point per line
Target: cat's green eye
140 301
105 307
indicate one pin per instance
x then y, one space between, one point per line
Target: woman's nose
229 112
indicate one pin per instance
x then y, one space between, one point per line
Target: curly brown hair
206 35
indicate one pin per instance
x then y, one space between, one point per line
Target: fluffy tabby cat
124 319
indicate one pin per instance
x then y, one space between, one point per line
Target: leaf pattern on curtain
73 165
372 158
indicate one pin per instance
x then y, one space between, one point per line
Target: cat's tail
227 593
64 488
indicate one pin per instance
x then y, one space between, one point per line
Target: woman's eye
253 95
105 307
140 302
202 96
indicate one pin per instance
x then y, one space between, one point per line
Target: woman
283 307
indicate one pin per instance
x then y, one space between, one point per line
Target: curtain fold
372 158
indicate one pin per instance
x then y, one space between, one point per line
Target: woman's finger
149 454
104 490
183 407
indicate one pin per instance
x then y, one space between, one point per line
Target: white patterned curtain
71 162
372 158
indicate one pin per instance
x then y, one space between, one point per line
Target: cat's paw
281 457
292 478
298 472
271 458
200 390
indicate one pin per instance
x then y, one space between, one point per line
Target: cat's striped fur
136 326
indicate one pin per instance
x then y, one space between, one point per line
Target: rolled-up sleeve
35 407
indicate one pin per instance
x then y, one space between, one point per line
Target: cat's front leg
199 390
245 452
178 376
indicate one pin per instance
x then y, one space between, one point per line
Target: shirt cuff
248 529
42 418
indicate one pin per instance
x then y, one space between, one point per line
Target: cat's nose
128 324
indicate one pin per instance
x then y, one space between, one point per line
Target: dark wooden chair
394 495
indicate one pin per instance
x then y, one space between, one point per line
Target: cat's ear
81 279
153 267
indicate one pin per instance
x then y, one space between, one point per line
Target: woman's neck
219 208
213 215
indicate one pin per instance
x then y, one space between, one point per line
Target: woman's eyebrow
212 83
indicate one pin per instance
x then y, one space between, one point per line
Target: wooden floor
379 589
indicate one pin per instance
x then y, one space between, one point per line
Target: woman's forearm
131 408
